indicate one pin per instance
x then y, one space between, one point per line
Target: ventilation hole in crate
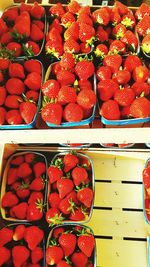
102 208
32 1
130 182
19 1
103 237
58 1
134 239
103 181
136 210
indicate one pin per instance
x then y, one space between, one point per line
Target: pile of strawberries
123 88
24 186
146 191
68 93
21 245
20 83
71 189
143 27
74 246
22 30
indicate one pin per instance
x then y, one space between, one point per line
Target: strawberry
106 89
16 70
15 48
36 33
140 108
85 84
29 157
121 76
54 173
65 77
131 62
130 40
50 88
9 200
19 232
86 243
67 95
86 32
122 9
73 7
101 51
86 99
52 113
73 113
70 161
84 69
22 190
115 17
20 255
72 32
79 175
53 255
63 263
13 117
113 61
64 186
33 81
24 7
118 31
142 10
5 255
33 236
31 48
1 77
28 111
39 168
10 14
77 215
85 196
142 26
53 216
85 48
103 73
146 177
35 211
20 211
3 94
84 18
110 110
13 101
128 20
56 24
36 255
101 16
58 231
71 46
6 236
140 74
124 97
39 23
54 35
146 44
22 24
32 65
4 63
57 10
32 95
117 47
15 86
66 206
37 11
54 200
54 48
79 259
67 61
35 197
67 242
85 10
141 87
37 184
67 19
3 26
24 170
72 197
12 175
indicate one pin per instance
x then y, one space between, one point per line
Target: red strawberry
67 95
140 108
35 197
20 255
85 84
86 243
53 216
29 157
146 44
130 40
54 173
67 19
13 117
118 31
35 211
53 255
67 61
79 175
85 48
72 32
33 236
84 69
33 81
15 48
131 62
106 89
110 110
54 200
65 77
73 113
57 10
5 255
85 196
19 232
70 161
1 77
37 184
6 236
15 86
54 35
36 255
117 47
50 88
84 18
31 48
10 14
4 63
146 177
36 33
13 101
24 170
141 87
86 32
54 48
32 95
64 186
123 9
67 242
32 65
2 95
101 50
128 20
12 175
9 200
39 23
56 24
85 10
37 11
22 24
115 17
142 10
140 74
72 197
20 210
58 231
79 259
71 46
3 26
52 113
28 111
24 7
124 97
22 190
101 16
142 26
17 160
39 168
103 73
113 61
86 99
74 7
66 206
77 215
121 76
16 70
63 263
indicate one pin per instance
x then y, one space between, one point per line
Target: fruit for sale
145 45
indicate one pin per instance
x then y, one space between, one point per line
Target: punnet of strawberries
20 97
71 245
22 30
146 191
21 245
24 187
70 188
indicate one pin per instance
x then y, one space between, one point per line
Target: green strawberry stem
57 219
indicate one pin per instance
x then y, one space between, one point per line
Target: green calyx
127 22
57 219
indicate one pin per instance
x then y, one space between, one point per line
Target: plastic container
118 146
145 198
72 228
83 159
4 185
148 251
